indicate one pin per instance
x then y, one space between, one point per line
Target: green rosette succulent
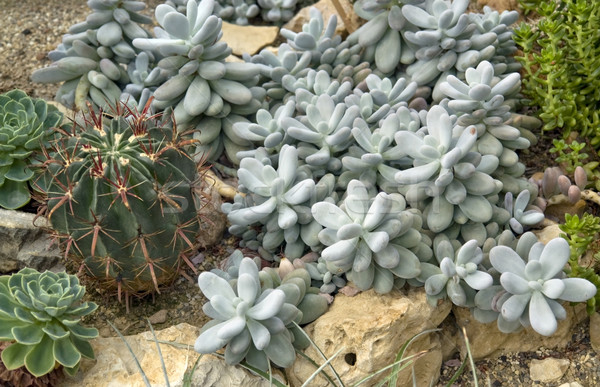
40 313
25 127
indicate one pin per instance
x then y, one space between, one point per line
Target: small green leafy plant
561 62
581 233
40 313
569 153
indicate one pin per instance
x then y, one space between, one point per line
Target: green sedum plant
25 129
561 59
41 313
121 197
581 233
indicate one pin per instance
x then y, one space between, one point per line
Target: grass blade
320 353
314 375
137 363
393 377
260 373
187 377
162 360
407 361
471 362
314 363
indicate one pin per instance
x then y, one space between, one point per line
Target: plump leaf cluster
40 313
121 197
25 131
92 57
255 313
561 58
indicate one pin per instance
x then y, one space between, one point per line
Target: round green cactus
122 198
40 312
25 127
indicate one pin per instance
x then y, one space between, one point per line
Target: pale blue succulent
537 286
279 200
89 60
277 11
237 11
499 23
254 323
376 157
446 170
521 217
323 133
143 80
359 236
460 274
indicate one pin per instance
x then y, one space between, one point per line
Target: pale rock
371 328
213 372
248 39
327 9
500 5
114 365
572 384
548 370
595 331
24 243
546 234
212 220
487 341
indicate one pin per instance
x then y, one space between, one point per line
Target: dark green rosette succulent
25 128
40 313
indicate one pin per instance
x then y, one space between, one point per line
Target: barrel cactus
41 313
25 128
121 197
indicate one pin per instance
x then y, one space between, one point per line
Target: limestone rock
372 328
213 372
248 39
546 234
487 341
212 220
548 370
595 331
572 384
25 244
500 5
114 366
327 9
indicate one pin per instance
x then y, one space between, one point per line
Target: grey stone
24 243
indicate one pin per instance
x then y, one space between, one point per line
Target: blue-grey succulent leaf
555 255
504 259
211 285
208 341
514 306
577 290
268 307
553 288
544 321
